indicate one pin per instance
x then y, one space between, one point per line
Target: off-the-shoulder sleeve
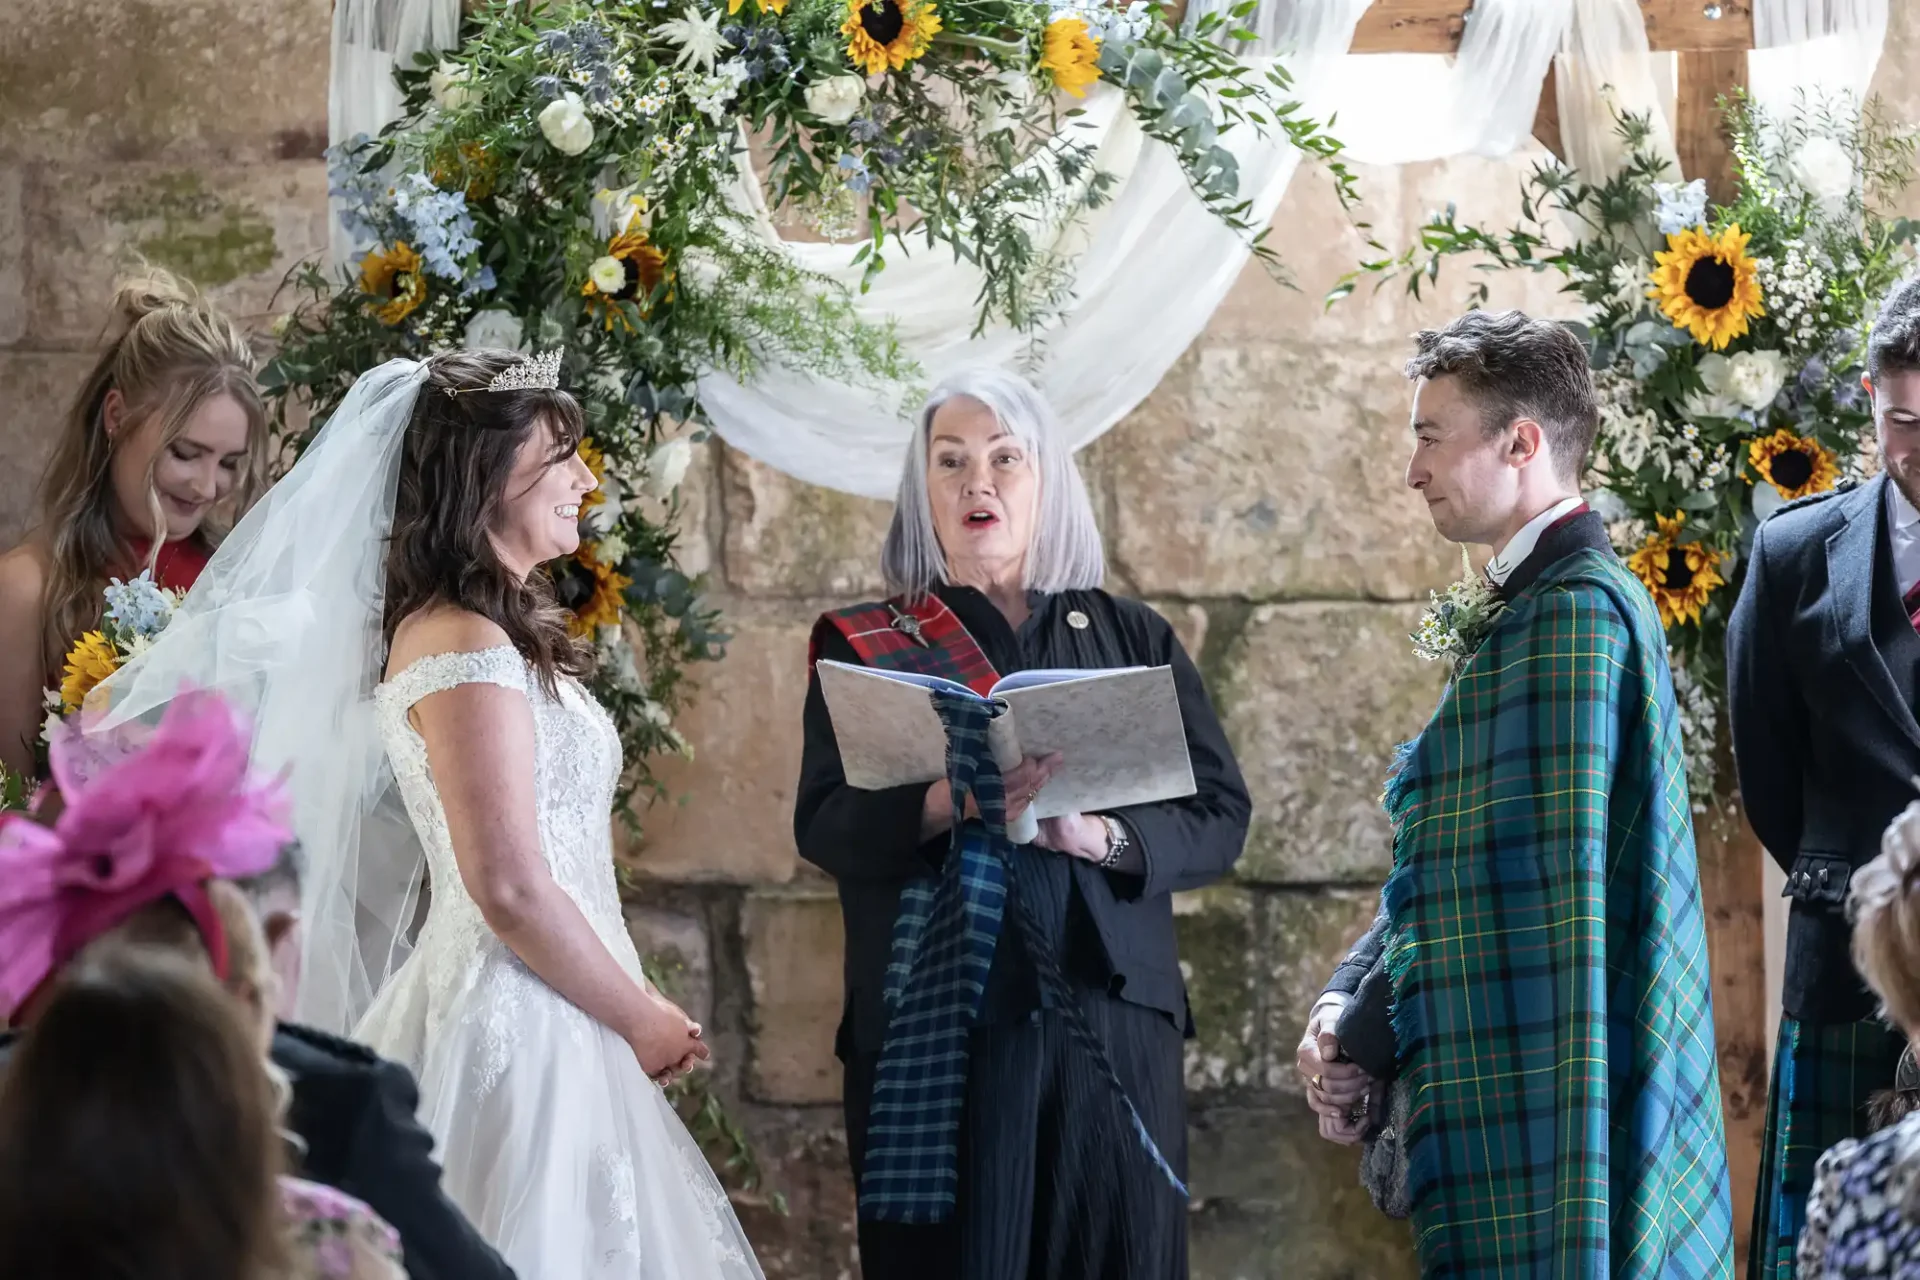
438 672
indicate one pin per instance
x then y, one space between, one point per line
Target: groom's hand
1336 1090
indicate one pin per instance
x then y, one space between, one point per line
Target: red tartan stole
924 638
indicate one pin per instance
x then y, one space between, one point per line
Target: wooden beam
1698 136
1435 26
1546 117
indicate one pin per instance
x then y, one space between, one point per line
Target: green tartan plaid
1548 955
1822 1078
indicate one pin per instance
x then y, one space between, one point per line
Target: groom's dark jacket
1823 672
354 1110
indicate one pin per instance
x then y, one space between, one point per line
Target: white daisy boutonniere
1458 619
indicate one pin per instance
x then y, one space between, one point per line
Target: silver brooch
1078 620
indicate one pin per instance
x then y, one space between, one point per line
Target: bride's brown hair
459 452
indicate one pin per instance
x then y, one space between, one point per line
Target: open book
1118 732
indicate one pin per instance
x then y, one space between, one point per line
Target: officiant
1033 1065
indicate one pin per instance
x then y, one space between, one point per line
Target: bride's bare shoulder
441 628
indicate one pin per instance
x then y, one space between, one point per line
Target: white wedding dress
553 1139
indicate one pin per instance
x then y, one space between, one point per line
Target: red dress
179 565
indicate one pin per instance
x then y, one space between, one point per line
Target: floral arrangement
1727 345
571 177
1455 622
136 612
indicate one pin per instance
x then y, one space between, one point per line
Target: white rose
564 121
837 98
1754 378
609 274
449 87
495 329
1719 401
1823 169
667 467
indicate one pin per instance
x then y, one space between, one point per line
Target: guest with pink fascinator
139 1116
152 852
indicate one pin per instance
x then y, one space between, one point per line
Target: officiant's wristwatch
1117 841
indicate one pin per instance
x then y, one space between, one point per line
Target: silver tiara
529 373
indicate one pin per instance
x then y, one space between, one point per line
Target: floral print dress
1855 1223
335 1237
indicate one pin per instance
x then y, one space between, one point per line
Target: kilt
1822 1077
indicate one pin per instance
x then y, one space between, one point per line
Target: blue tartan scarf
943 944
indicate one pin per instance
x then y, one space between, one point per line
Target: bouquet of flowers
570 177
1727 346
136 612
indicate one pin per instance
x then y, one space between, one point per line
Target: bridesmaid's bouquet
136 612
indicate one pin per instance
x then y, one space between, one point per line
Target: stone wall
1255 499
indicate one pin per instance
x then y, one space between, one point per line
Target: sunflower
1794 465
595 591
469 167
1707 284
597 463
1069 55
1680 577
91 660
888 33
393 276
641 266
764 6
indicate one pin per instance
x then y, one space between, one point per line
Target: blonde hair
1883 901
164 925
170 351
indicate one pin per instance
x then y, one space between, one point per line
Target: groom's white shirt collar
1515 553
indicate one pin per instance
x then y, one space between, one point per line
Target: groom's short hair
1514 366
1894 343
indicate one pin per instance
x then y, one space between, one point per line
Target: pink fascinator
146 817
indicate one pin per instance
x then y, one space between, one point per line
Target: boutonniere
1458 619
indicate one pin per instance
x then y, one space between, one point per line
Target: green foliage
1688 433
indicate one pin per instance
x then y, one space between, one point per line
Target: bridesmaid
160 452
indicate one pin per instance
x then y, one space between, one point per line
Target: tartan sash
943 944
921 636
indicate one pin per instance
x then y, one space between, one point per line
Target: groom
1547 1100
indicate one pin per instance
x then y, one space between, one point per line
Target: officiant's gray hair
1066 553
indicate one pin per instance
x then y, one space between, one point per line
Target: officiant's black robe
1052 1181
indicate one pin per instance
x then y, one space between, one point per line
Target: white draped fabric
1153 264
370 39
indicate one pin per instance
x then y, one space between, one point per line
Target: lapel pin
1078 620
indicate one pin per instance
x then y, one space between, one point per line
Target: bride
382 613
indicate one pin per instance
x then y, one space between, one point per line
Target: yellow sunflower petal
1707 284
1070 55
1793 464
91 660
1680 579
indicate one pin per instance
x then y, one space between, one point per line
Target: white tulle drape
370 39
1153 264
1156 263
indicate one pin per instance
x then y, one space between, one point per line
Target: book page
1119 734
888 732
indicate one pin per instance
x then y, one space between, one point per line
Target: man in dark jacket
1823 678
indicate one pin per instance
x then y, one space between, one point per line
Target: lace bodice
576 768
